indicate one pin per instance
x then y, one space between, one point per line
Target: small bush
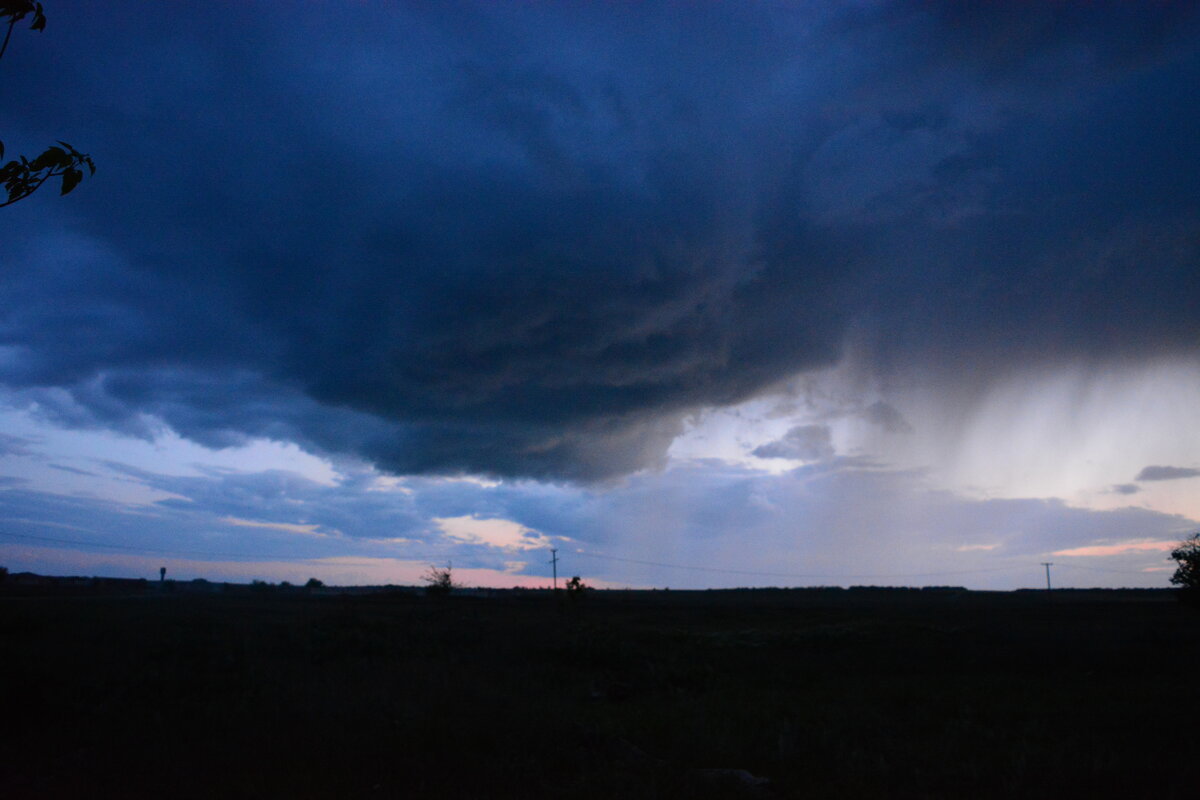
576 587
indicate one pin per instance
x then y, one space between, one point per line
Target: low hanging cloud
530 240
887 417
802 443
1163 473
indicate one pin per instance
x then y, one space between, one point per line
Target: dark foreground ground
838 695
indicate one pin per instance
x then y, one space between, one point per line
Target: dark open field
826 694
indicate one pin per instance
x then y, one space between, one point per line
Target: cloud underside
447 242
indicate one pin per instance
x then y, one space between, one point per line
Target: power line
790 574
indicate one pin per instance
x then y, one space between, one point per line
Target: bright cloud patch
388 483
501 533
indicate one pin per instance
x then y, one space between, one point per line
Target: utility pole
554 561
1047 565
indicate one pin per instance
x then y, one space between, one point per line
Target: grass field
647 694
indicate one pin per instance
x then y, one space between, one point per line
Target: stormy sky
803 292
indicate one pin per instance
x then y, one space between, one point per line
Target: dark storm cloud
1161 473
528 240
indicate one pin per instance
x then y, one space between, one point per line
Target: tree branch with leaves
17 10
22 177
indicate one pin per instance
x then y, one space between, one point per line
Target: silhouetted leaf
17 10
71 179
52 157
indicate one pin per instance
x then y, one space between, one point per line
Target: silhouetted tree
22 177
313 583
1187 574
438 581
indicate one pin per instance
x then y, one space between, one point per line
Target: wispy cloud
310 529
1119 549
1161 473
15 445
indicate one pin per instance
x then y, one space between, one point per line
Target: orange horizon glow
336 571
